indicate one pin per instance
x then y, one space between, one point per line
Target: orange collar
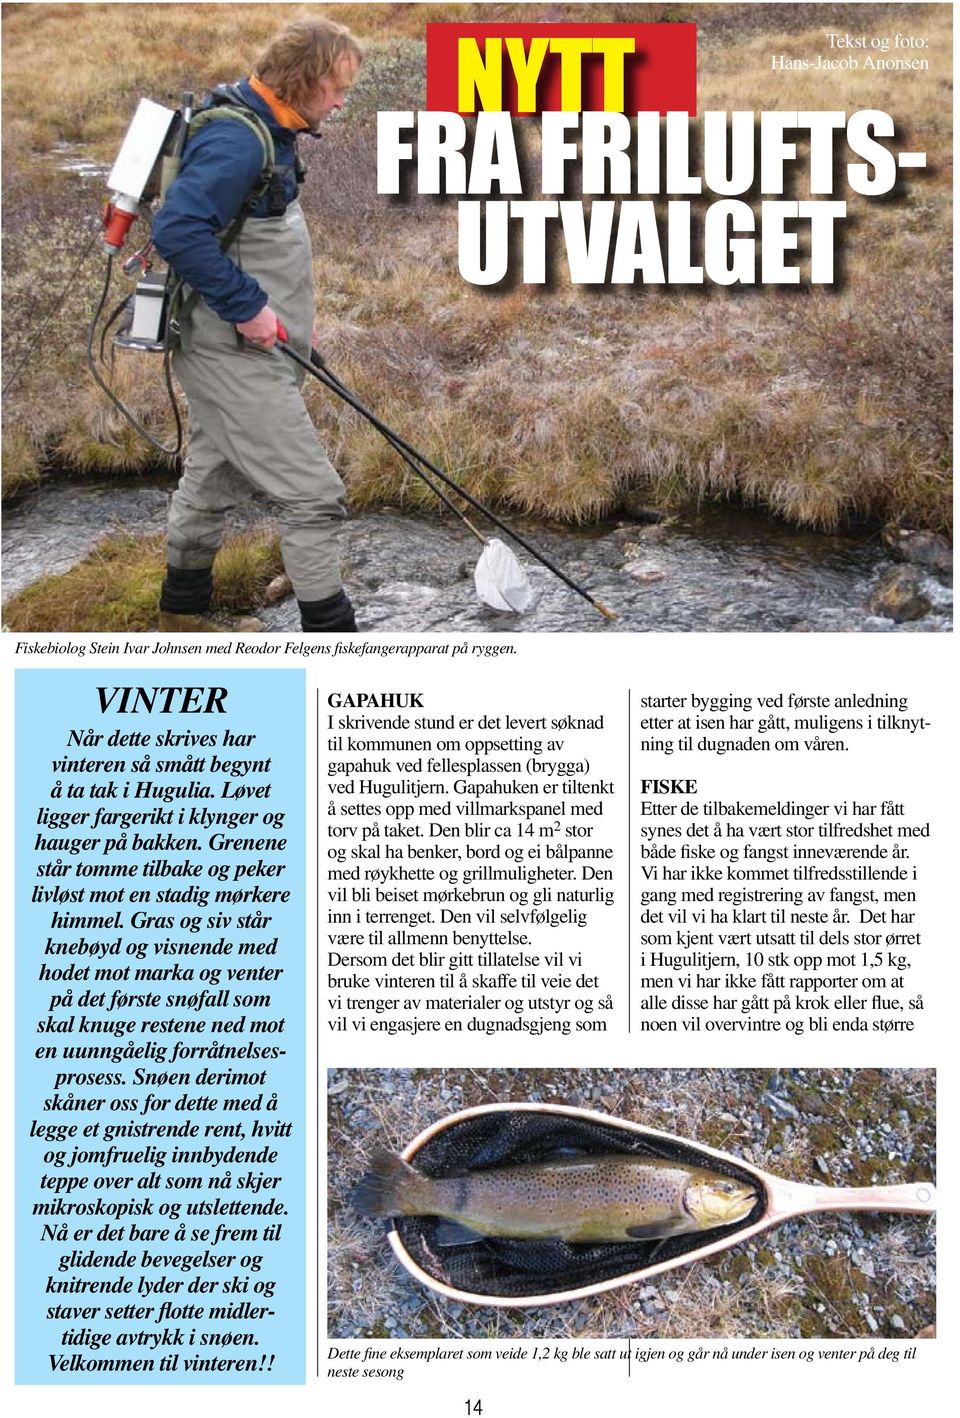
286 116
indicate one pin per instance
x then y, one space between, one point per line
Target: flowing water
718 570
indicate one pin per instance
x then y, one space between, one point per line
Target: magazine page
478 672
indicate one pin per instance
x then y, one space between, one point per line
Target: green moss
714 1132
117 586
830 1283
736 1266
823 1137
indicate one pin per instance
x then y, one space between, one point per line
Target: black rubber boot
186 592
185 604
332 616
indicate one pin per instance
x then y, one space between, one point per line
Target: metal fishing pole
318 369
399 449
500 580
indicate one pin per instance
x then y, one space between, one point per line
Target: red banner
532 68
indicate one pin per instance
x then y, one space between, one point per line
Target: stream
716 570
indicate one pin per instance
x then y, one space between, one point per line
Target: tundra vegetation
827 407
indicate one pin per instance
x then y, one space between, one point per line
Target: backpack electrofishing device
146 164
137 173
147 319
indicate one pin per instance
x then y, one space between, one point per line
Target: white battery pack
149 311
140 148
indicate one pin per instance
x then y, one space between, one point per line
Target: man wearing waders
249 428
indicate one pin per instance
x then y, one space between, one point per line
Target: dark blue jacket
221 165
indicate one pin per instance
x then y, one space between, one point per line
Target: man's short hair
303 53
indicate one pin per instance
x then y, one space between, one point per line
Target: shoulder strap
228 103
226 109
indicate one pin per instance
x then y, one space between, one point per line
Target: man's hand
261 330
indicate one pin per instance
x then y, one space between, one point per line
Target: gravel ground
838 1276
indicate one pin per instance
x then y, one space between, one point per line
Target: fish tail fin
389 1187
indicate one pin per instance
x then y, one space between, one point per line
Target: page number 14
473 1405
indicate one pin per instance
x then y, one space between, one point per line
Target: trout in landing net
584 1198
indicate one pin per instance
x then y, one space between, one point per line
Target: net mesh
511 1268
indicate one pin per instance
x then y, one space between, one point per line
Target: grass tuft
21 462
117 586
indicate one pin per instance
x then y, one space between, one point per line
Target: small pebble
779 1106
278 590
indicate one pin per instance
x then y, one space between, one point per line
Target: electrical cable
318 369
398 448
173 452
108 325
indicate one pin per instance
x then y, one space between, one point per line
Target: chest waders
249 431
